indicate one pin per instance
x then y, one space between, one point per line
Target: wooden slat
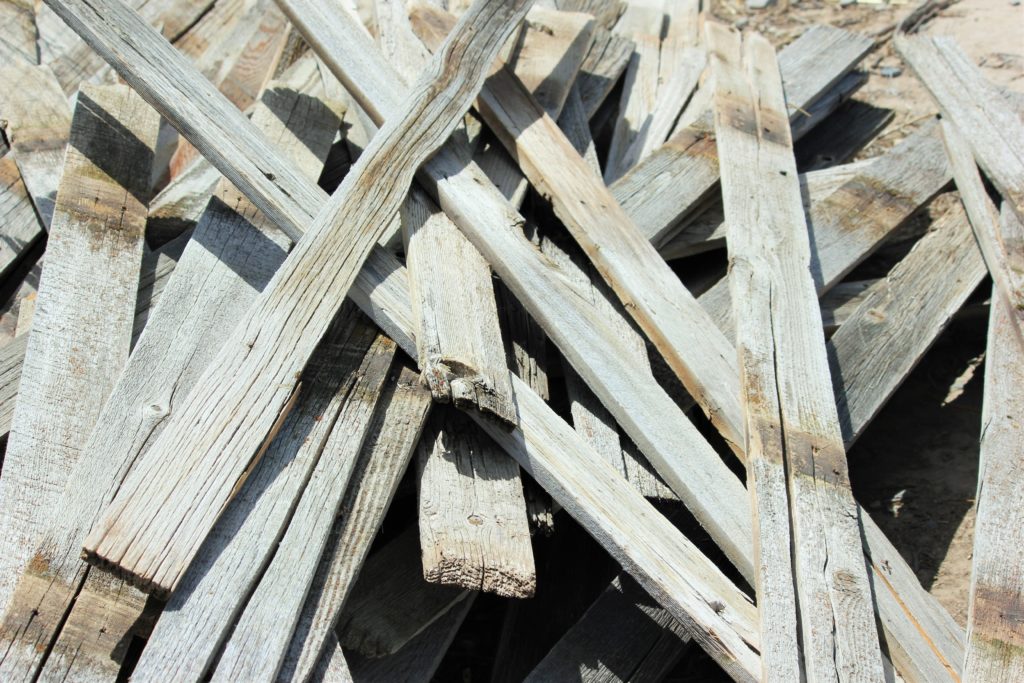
605 12
995 648
91 274
233 256
682 172
381 465
639 95
38 121
1002 256
20 227
994 131
273 341
261 637
796 462
18 42
604 64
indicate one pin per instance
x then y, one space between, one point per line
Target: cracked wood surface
807 536
91 274
174 507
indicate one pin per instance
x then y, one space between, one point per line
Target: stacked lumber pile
323 317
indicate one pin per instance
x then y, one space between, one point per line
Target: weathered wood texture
20 227
231 258
604 64
976 107
18 42
472 533
659 191
391 603
38 121
796 461
91 274
273 341
261 637
995 648
381 464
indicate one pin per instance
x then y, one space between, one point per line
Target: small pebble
741 24
759 4
890 71
847 3
1015 3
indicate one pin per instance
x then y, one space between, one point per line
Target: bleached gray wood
1003 259
390 602
473 527
418 660
616 636
381 464
385 282
606 13
680 69
38 121
181 204
976 107
20 227
231 258
200 614
91 275
639 95
674 179
604 64
332 667
274 339
811 569
995 649
900 317
18 42
261 637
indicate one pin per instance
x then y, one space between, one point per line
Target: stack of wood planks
336 335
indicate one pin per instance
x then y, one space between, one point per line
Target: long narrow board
381 465
18 43
91 274
797 477
995 647
233 255
993 129
275 338
261 636
38 123
20 227
927 640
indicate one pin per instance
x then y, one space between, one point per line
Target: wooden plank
181 204
605 13
18 43
899 318
20 228
199 616
639 95
1005 263
385 455
233 256
682 172
261 637
38 121
928 639
995 650
796 462
390 602
994 132
418 660
613 640
91 273
273 341
472 519
604 64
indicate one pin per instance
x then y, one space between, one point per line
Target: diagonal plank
20 227
976 107
796 461
137 535
91 274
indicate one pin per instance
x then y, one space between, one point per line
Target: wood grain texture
383 461
899 317
91 274
273 341
1002 256
391 603
604 64
674 179
639 96
796 462
36 122
232 257
995 650
473 526
18 43
976 107
212 595
263 632
20 227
